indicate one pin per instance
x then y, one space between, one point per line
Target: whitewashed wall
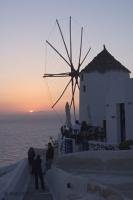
129 109
81 188
97 87
82 185
116 94
120 92
103 92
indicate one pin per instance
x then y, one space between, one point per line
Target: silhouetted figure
49 156
64 131
76 130
76 127
31 155
37 170
84 138
84 126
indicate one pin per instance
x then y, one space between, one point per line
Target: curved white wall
17 184
82 185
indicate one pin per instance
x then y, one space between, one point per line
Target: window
82 77
84 88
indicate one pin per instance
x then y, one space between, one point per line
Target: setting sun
31 111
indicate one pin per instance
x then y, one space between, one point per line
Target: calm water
18 133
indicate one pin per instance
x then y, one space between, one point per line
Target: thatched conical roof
104 62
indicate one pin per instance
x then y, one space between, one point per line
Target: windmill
74 72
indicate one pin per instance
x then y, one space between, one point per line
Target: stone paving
33 194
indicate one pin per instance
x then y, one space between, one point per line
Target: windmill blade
70 25
73 98
84 57
73 92
78 85
63 41
58 52
73 101
56 75
80 48
62 93
74 109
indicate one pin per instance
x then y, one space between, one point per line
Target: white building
106 97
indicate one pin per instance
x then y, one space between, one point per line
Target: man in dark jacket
37 170
49 156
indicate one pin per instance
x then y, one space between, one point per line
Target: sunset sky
25 25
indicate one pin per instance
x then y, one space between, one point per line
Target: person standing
31 155
49 156
37 170
76 130
76 127
84 136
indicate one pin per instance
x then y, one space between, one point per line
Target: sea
20 132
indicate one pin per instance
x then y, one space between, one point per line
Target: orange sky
25 27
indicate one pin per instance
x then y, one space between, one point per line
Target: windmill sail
74 73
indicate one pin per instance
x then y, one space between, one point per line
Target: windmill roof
104 62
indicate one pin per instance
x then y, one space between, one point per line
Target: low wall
103 161
6 169
16 186
65 186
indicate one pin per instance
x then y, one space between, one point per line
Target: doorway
121 121
104 128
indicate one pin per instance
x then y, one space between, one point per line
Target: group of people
79 132
82 133
35 163
75 129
